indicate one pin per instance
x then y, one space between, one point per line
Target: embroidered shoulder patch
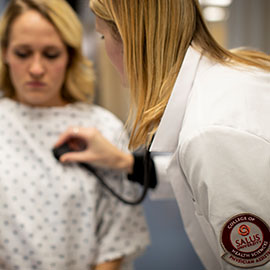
246 241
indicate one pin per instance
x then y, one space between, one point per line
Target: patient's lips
36 84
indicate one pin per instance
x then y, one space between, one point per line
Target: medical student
208 110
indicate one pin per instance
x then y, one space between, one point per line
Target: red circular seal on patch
246 241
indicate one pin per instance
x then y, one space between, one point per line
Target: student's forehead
101 24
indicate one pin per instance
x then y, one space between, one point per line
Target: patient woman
55 216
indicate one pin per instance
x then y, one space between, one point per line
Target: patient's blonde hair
78 85
156 35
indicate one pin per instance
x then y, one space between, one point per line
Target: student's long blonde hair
79 80
156 35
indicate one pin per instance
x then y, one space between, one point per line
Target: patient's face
37 60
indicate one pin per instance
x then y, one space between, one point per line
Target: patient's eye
50 55
22 53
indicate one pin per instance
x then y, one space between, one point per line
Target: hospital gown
55 216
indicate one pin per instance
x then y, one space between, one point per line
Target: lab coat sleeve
228 172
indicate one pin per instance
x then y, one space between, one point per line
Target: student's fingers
70 133
81 156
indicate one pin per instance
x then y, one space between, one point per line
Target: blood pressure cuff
138 174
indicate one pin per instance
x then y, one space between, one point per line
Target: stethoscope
147 163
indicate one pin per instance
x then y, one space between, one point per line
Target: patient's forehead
32 27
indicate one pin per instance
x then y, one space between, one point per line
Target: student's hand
93 148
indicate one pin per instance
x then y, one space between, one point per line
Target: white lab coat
216 128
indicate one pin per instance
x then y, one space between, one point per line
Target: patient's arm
111 265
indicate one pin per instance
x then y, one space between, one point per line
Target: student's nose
37 68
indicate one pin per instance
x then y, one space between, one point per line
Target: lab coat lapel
166 138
